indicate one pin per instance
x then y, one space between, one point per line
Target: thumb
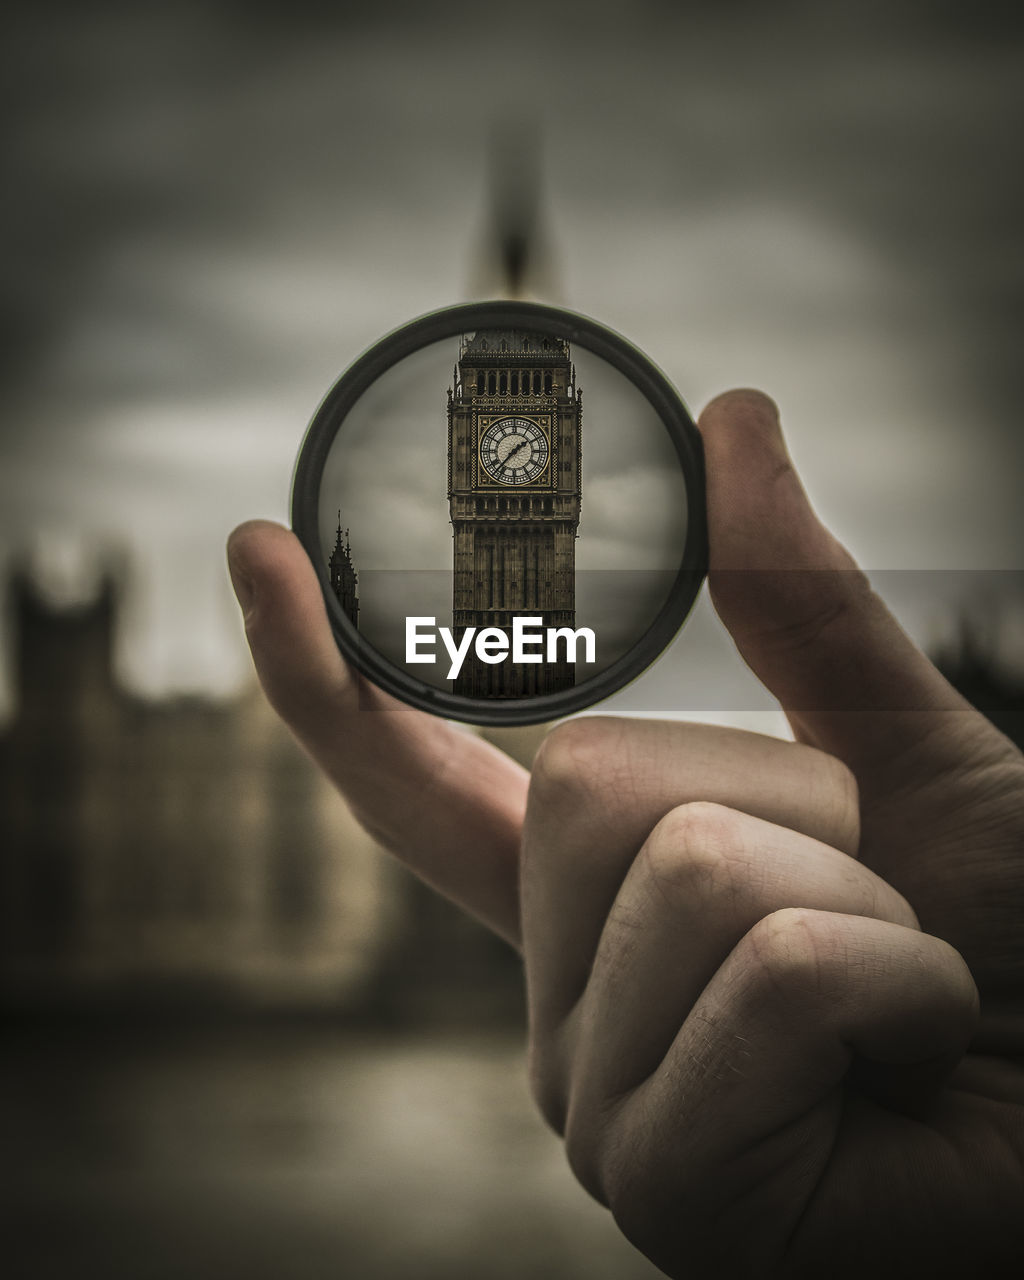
802 614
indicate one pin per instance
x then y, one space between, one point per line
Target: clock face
514 451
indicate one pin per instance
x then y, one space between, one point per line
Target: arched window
490 384
547 384
503 383
536 382
515 384
480 383
504 345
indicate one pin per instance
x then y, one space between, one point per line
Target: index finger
441 799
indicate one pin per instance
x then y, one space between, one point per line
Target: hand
749 962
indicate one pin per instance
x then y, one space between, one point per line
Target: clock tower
514 452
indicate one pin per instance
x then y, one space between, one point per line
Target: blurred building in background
188 851
185 845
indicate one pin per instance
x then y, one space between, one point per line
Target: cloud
217 209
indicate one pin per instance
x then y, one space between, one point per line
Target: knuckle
696 851
576 758
790 952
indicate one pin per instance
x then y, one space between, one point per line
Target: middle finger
599 787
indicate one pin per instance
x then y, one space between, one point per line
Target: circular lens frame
577 330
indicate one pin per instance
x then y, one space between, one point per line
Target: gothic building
190 850
185 846
514 455
344 579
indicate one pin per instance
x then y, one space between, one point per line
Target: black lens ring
577 330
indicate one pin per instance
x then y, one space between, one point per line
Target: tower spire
344 579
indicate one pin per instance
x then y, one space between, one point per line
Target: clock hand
516 452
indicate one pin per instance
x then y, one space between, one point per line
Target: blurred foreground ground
270 1149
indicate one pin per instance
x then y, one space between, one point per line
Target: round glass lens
505 506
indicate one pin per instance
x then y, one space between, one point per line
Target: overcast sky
211 210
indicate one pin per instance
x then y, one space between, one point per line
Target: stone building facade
514 461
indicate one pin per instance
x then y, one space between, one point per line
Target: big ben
514 455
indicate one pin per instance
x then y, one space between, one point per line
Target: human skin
776 989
